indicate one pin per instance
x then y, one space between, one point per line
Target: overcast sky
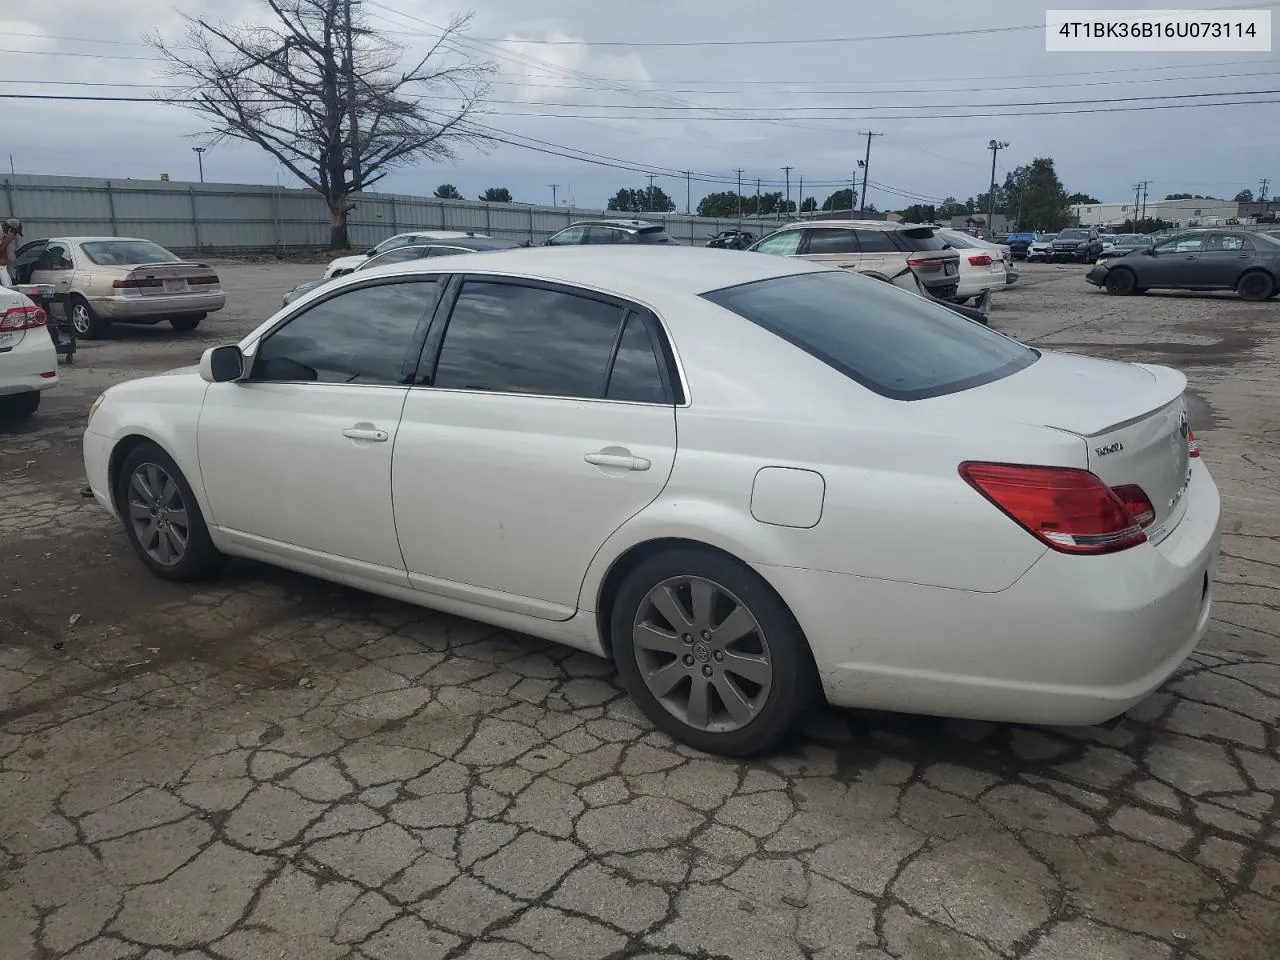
1209 150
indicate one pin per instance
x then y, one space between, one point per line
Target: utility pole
866 169
995 146
650 201
1145 185
800 200
1137 197
554 187
200 157
356 176
759 212
688 192
1262 190
853 192
787 171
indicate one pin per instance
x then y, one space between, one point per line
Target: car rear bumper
1075 641
30 363
125 308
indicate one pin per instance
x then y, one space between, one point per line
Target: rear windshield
919 239
653 235
125 253
960 242
893 342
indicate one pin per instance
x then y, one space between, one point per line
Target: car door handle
623 461
369 433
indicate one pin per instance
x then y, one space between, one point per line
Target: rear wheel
162 518
1256 286
710 653
188 323
20 405
1120 282
85 320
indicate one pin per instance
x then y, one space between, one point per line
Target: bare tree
325 95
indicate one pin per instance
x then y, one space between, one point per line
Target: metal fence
218 217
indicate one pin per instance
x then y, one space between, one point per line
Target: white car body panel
913 592
347 264
27 357
975 279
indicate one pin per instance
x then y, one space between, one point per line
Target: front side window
780 244
55 257
126 253
832 241
1190 243
514 338
895 343
359 336
570 235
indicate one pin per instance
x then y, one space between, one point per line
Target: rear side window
875 241
832 241
513 338
781 244
913 241
895 343
636 375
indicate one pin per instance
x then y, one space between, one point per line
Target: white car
344 265
982 266
752 481
1041 248
28 360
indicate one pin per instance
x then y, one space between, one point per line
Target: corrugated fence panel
213 217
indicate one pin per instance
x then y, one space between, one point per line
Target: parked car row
1243 261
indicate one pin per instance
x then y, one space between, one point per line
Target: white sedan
344 265
28 361
751 481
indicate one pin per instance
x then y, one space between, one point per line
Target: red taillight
980 260
21 318
1137 502
134 283
1070 510
205 280
924 265
1193 445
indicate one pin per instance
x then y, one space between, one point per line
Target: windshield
400 241
895 343
394 255
126 253
1073 235
1132 242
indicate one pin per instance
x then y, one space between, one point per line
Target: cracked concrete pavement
273 767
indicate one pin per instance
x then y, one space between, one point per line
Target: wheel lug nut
687 638
706 670
719 656
688 660
706 634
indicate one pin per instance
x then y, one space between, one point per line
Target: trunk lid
168 278
1131 417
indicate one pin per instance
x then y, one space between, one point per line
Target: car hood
180 371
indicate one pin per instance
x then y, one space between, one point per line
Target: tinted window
893 342
652 236
55 257
832 241
636 375
876 241
914 240
1227 243
394 256
781 244
359 336
510 338
605 235
446 251
123 253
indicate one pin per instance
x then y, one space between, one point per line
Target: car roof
97 239
620 224
859 224
627 271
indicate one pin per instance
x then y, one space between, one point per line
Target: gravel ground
274 767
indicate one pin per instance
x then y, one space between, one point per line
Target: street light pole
200 158
866 171
995 146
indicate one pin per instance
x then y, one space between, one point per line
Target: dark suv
609 231
1081 244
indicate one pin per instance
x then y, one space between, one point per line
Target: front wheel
1256 286
162 518
188 323
1120 283
710 654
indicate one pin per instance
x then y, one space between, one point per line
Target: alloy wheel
80 319
702 654
158 515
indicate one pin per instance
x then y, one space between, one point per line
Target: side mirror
222 364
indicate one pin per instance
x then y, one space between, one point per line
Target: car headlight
94 408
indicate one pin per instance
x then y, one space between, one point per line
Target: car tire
188 323
151 495
1120 282
20 405
682 677
1256 286
85 320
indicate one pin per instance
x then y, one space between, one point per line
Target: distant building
999 222
1182 212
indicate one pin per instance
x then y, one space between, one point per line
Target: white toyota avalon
751 481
